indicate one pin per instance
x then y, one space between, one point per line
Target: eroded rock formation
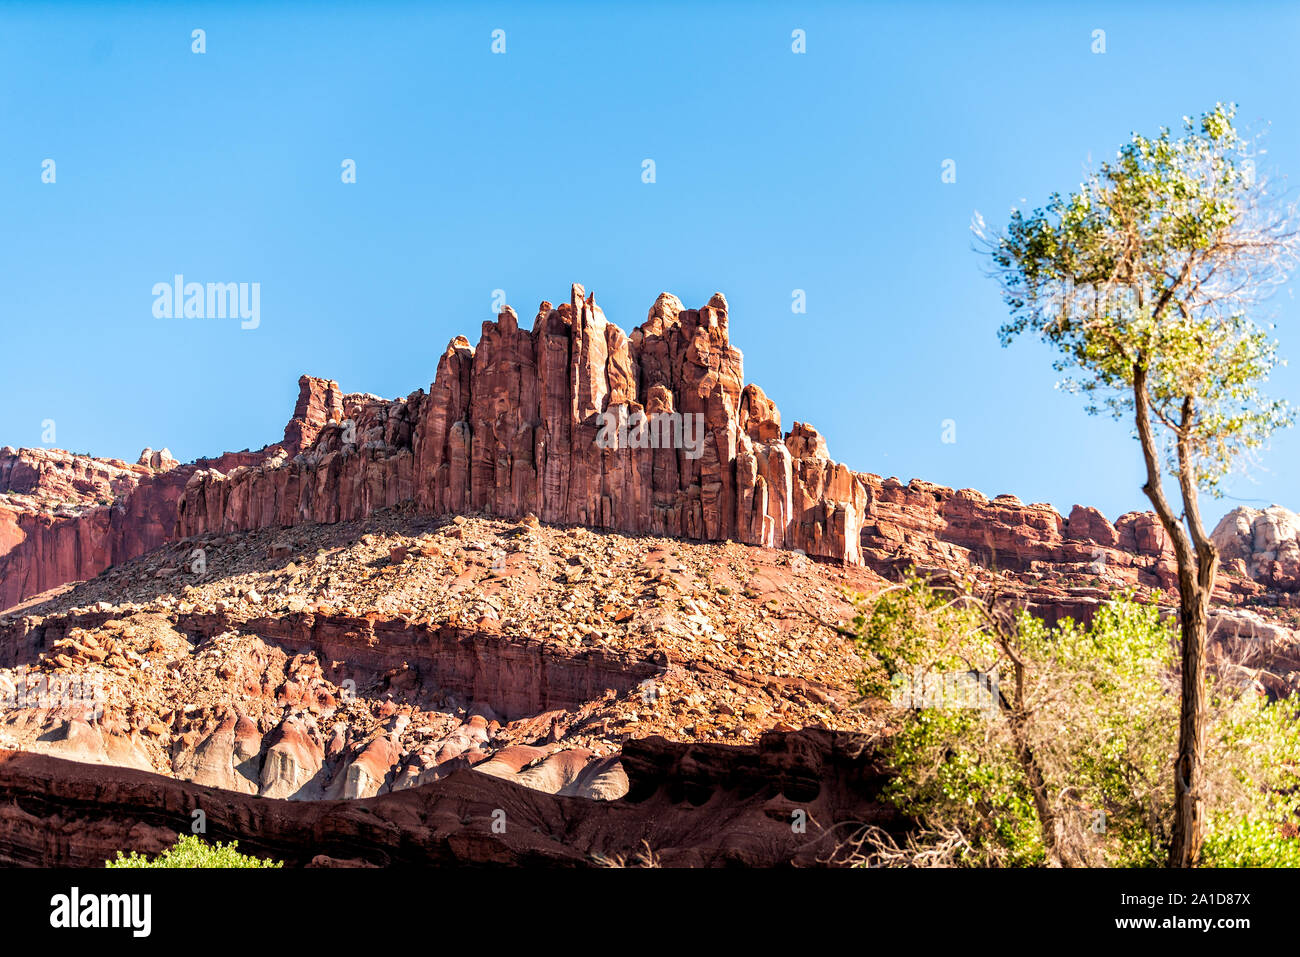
1263 544
66 517
510 427
687 805
401 676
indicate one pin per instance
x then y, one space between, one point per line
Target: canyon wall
67 517
690 804
511 426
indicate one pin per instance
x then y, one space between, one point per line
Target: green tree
191 851
1065 757
1143 280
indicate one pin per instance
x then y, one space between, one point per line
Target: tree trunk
1189 809
1197 564
1037 789
1018 723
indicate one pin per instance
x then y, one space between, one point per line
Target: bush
1070 759
1254 843
190 851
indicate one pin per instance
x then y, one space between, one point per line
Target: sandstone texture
66 517
624 701
509 427
1265 542
409 614
687 805
354 659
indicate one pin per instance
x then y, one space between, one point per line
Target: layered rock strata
66 517
688 805
511 426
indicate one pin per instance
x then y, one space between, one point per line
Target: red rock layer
691 804
515 678
66 517
926 524
511 426
41 550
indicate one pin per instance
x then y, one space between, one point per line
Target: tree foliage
1152 265
1096 708
191 851
1143 281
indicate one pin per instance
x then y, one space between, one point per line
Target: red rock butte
510 427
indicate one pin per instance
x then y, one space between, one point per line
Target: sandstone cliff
510 427
1264 544
66 517
689 805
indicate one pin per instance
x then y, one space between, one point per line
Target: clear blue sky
522 171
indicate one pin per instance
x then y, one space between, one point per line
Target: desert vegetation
1066 757
191 851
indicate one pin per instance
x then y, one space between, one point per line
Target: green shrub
1071 762
1252 843
190 851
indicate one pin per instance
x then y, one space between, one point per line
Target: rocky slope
422 606
786 800
343 662
509 428
66 517
352 659
359 660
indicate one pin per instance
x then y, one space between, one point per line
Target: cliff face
612 687
515 425
512 427
1264 544
691 804
925 524
67 517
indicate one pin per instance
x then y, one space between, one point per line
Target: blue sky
477 171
